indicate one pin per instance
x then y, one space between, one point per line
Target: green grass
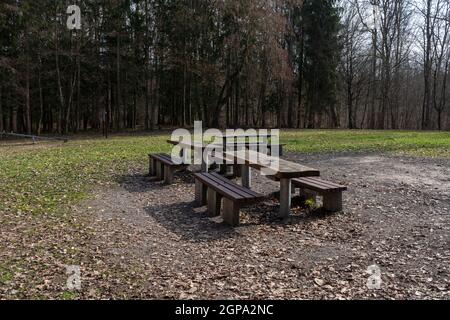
5 275
43 180
427 144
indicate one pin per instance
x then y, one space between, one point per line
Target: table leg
285 197
204 167
246 176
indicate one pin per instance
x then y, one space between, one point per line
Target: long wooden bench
162 166
331 192
211 188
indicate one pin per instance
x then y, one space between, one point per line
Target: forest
149 64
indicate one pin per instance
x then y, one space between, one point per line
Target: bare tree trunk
60 89
427 69
27 99
300 80
118 89
14 118
374 80
77 111
41 99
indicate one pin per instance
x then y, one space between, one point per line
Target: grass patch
5 275
68 295
428 144
43 180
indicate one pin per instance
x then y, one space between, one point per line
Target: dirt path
397 216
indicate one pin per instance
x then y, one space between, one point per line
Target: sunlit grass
432 144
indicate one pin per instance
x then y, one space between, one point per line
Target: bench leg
230 212
159 170
214 203
229 170
204 166
285 197
200 193
152 167
278 149
246 176
332 201
168 174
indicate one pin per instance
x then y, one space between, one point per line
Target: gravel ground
396 216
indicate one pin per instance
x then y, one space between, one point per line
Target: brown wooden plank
316 182
232 187
286 169
315 186
329 183
228 188
219 187
166 159
161 158
250 192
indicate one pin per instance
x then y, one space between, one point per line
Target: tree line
145 64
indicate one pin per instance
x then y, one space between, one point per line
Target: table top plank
273 166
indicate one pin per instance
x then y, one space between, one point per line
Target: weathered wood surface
220 189
228 188
203 146
319 185
332 192
273 166
165 159
163 167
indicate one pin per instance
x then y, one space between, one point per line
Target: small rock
319 281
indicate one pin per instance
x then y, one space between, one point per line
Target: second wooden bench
162 166
211 188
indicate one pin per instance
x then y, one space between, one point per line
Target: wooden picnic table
273 167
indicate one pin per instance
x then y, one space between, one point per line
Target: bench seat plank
325 184
163 167
228 188
317 184
233 186
166 159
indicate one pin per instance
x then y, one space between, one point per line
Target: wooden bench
162 166
331 192
211 188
